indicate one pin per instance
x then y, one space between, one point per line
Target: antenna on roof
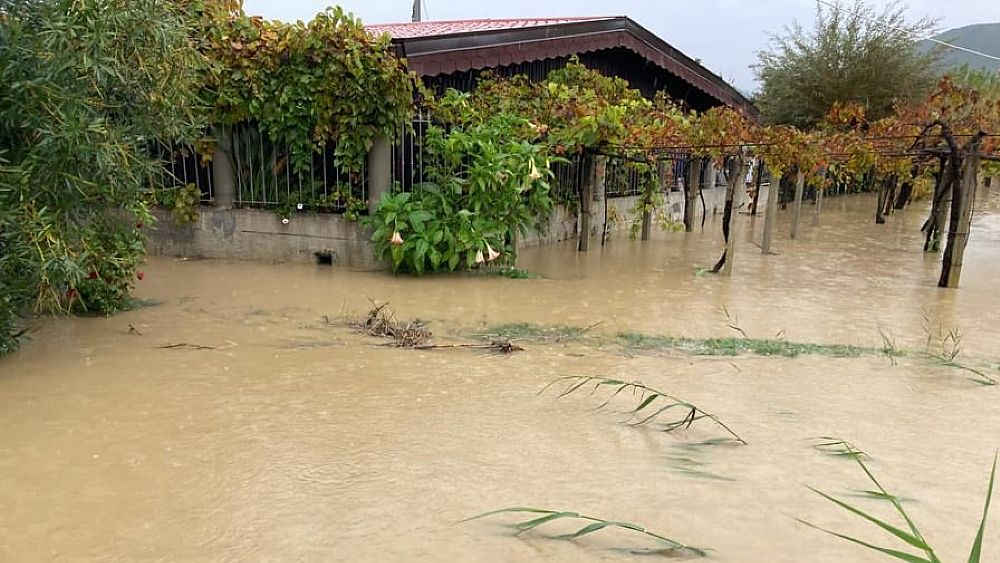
416 11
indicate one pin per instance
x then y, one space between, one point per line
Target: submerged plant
596 524
944 347
912 536
645 413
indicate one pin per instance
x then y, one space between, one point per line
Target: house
453 54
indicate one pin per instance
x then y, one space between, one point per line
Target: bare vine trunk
942 191
890 195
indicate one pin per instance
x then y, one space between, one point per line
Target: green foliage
911 535
84 85
574 108
652 202
483 187
515 273
306 84
182 202
853 54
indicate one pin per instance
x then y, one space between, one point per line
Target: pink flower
479 257
140 275
396 239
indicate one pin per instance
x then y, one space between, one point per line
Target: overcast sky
724 34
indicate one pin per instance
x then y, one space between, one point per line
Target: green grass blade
657 413
908 557
534 523
621 388
652 397
907 537
573 388
977 546
557 381
504 510
589 528
899 508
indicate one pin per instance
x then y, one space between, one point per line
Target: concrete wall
252 234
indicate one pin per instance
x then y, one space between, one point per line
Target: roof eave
415 48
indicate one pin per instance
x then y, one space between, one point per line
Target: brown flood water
293 440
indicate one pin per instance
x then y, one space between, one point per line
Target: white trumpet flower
534 174
491 254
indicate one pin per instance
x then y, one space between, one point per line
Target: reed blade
902 555
977 545
907 537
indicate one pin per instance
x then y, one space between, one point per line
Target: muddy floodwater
290 437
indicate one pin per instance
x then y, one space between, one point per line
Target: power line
931 39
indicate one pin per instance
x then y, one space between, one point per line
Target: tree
957 123
853 54
86 89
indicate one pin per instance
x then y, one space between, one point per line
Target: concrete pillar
593 193
379 171
223 177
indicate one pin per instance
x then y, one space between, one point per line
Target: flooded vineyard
239 417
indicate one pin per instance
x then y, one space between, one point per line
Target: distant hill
984 37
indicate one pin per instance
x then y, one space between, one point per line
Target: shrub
84 87
482 189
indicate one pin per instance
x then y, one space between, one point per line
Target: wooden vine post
586 204
729 217
692 186
800 184
770 216
758 179
963 196
819 201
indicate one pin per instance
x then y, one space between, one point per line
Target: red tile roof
410 30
